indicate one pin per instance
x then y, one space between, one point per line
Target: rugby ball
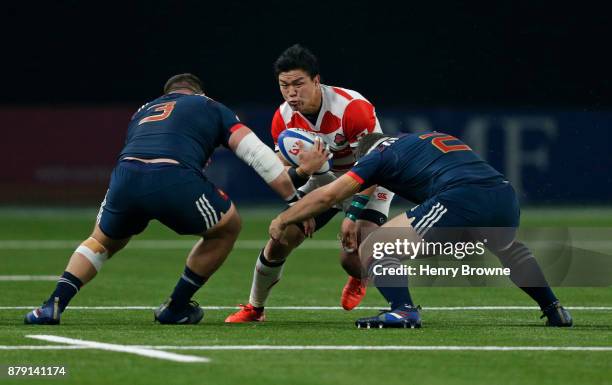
289 148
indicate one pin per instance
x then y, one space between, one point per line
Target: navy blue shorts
476 207
179 197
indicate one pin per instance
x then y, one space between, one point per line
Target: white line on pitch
42 347
140 351
390 347
310 308
156 348
29 277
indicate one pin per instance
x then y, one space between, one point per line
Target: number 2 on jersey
440 142
164 108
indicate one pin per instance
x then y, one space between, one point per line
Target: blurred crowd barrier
64 155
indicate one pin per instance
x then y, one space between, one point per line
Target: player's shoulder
151 103
198 100
185 101
404 143
385 150
342 96
203 107
205 104
346 103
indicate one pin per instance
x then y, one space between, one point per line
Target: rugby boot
47 314
353 292
247 313
402 317
190 314
557 316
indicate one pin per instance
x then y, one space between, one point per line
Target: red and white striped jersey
345 117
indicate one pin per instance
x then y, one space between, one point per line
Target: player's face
300 91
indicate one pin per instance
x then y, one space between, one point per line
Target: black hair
186 80
366 143
297 57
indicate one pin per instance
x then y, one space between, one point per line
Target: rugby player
453 187
341 117
159 175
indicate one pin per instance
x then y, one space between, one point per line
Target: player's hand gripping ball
290 149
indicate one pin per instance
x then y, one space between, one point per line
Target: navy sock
186 287
526 273
529 277
393 287
544 296
396 296
67 287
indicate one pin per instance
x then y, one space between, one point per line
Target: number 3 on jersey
440 141
164 108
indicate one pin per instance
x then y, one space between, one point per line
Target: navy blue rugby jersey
183 127
418 166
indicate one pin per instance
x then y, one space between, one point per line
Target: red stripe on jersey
357 178
236 127
342 93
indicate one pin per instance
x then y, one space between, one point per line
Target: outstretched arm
250 149
314 203
349 228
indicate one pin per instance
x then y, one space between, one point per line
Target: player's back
417 166
183 127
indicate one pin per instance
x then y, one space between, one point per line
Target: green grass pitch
143 275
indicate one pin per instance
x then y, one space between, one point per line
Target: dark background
526 84
531 54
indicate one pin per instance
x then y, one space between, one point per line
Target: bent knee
277 251
111 245
234 224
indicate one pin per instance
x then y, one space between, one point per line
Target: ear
317 80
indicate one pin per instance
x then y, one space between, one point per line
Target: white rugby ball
289 149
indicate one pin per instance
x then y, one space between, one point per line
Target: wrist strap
357 205
297 180
292 199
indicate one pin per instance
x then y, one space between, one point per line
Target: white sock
266 275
